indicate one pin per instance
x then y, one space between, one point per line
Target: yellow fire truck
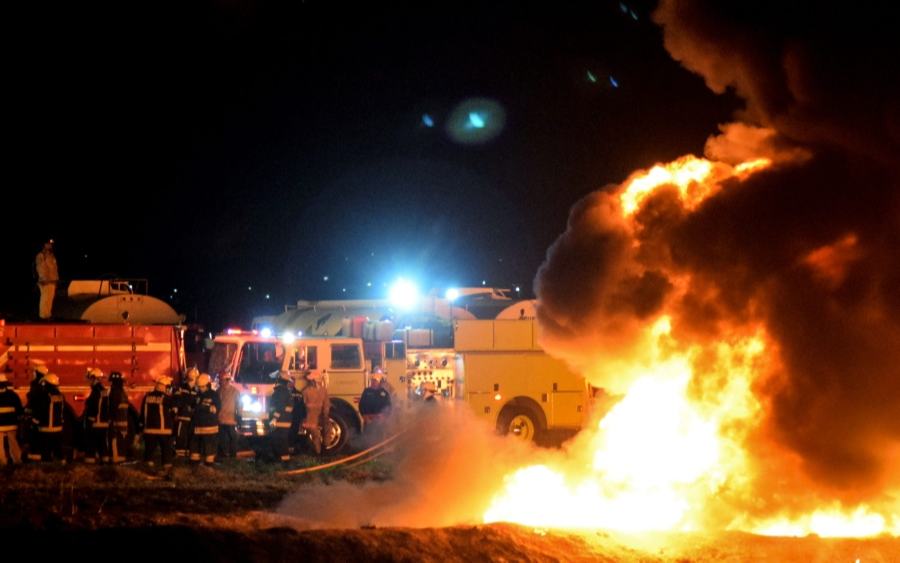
491 361
499 369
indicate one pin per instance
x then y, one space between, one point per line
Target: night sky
250 154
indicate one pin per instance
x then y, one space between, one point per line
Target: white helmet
51 379
204 380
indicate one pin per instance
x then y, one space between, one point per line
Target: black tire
336 438
518 422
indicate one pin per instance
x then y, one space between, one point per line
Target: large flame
673 453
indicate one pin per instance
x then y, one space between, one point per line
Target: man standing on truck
185 399
48 277
96 419
315 397
10 412
205 423
281 412
119 406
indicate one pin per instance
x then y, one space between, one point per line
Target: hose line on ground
353 457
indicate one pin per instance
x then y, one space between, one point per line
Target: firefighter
185 399
229 416
385 384
48 416
11 411
281 413
315 397
96 419
375 405
158 423
120 419
297 417
47 278
205 423
34 396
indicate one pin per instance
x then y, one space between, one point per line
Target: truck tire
519 423
335 439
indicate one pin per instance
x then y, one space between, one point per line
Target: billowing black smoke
808 248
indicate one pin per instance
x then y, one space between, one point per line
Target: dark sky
235 150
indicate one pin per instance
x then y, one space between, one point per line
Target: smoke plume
806 249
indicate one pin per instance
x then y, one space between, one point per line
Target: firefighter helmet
51 379
193 374
163 381
116 376
41 369
314 375
282 375
223 375
3 380
93 373
203 380
378 375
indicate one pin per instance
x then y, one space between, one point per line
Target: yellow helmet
164 380
93 373
41 369
193 374
204 380
51 379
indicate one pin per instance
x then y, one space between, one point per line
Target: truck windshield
221 356
259 360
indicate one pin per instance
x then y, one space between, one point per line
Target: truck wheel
518 423
335 438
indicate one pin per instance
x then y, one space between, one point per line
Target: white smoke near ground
443 472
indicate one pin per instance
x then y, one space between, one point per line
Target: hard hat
41 369
283 375
51 379
224 375
377 375
3 379
428 386
93 373
164 380
314 375
204 380
116 376
193 373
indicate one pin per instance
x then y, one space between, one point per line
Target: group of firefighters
184 421
192 420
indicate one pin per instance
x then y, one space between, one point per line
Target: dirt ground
231 513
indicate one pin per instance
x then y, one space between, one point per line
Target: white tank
111 302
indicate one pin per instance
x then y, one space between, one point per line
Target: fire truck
254 358
493 364
106 325
500 370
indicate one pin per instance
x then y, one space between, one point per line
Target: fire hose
364 456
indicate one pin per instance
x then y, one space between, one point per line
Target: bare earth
231 513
